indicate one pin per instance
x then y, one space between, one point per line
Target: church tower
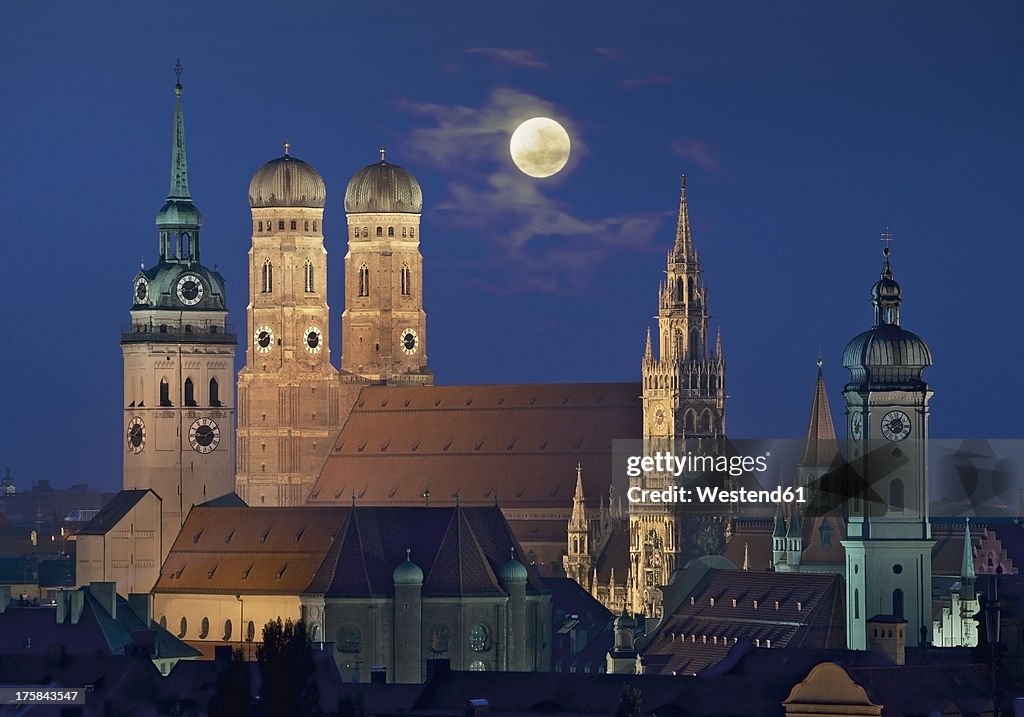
384 326
288 391
683 400
888 550
178 353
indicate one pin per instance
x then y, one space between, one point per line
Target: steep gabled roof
820 447
112 513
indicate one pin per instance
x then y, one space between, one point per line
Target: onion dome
408 572
287 182
383 187
512 571
887 354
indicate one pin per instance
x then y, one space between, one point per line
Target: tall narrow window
406 288
856 604
706 421
261 226
268 277
190 393
305 226
280 224
412 232
896 495
214 393
691 421
364 280
294 225
366 232
314 225
165 393
391 231
405 232
309 276
380 231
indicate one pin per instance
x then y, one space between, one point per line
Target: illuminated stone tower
384 326
684 399
577 560
889 546
178 352
289 409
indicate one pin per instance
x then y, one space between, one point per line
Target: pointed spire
820 446
648 351
780 523
578 521
718 344
746 556
795 529
179 168
967 564
684 241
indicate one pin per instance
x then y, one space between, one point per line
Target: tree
629 702
288 686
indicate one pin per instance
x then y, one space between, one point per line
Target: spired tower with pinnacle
178 353
384 326
683 400
577 561
889 545
288 391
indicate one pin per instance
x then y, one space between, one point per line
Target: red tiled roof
517 445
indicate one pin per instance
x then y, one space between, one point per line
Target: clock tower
179 416
888 551
384 326
683 400
288 391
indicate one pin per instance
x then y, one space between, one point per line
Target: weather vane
287 146
886 237
382 150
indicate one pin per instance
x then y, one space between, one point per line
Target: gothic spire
648 351
683 250
578 521
820 443
179 168
967 574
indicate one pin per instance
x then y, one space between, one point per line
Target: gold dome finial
287 146
382 150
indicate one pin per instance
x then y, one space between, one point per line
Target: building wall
128 554
220 609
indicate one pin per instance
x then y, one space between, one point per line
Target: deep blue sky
804 128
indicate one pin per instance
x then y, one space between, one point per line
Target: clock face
314 339
141 291
857 426
895 425
409 341
659 417
263 339
190 289
204 435
136 435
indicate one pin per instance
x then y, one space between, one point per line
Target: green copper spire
179 211
179 168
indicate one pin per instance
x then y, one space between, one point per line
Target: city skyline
791 131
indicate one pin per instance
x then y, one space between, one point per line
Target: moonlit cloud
654 78
613 54
536 242
504 56
699 153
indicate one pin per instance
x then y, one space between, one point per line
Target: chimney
887 636
106 595
77 605
142 605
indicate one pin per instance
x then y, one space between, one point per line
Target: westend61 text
709 494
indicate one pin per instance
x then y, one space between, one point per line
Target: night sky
803 129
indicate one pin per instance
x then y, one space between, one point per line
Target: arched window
190 393
261 226
214 393
695 349
366 232
391 231
896 495
294 225
227 630
364 280
355 232
679 289
165 393
406 288
250 631
412 232
314 225
309 276
268 277
305 226
691 421
185 251
856 603
183 630
405 232
897 602
204 628
380 231
706 422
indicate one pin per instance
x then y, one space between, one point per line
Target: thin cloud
700 153
504 56
655 78
535 242
613 54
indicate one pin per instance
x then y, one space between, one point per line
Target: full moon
539 147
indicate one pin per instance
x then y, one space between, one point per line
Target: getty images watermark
949 478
